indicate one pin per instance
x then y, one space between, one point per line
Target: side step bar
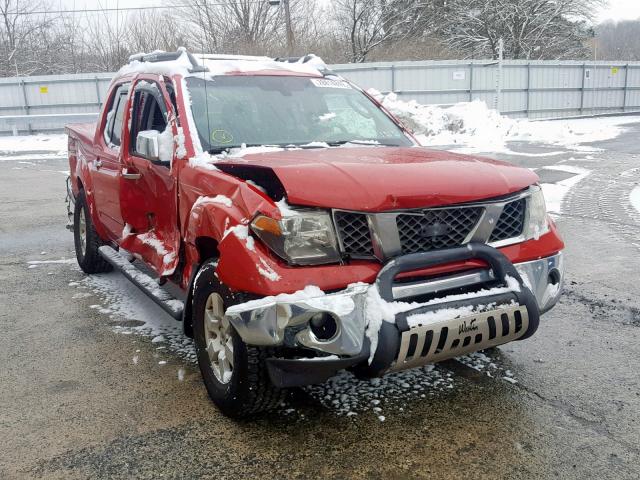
144 282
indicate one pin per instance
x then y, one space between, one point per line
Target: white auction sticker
326 83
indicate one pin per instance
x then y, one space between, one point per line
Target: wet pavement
84 397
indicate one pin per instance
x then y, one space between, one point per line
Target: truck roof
187 64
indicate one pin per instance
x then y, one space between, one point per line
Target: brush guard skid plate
494 319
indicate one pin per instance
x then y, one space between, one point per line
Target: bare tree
152 30
21 36
531 29
618 41
366 25
106 38
232 26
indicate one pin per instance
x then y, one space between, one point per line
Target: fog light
554 277
323 326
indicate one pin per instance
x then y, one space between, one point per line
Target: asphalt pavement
83 397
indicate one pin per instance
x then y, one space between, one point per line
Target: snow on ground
471 127
554 193
47 146
132 312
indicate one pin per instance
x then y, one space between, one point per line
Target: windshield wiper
338 143
227 148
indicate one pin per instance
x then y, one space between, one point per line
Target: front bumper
284 320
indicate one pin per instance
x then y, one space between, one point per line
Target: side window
150 120
172 96
116 134
113 127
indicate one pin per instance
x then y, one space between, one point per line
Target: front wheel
86 239
235 374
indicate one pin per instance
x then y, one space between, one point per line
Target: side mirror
147 144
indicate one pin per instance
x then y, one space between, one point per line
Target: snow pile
476 128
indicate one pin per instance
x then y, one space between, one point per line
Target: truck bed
83 132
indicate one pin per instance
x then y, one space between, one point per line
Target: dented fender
214 203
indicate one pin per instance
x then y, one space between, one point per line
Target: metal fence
536 89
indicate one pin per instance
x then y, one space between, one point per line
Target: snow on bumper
359 312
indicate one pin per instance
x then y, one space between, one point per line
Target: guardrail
531 89
12 122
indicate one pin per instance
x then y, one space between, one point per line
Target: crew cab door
105 168
148 190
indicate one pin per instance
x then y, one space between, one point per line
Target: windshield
230 111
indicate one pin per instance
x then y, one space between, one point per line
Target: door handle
98 164
131 176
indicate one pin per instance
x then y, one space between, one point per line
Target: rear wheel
235 374
86 239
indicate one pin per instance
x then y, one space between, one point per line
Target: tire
247 389
86 239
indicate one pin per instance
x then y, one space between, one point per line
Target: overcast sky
617 9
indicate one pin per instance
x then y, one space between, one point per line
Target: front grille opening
511 221
436 229
353 229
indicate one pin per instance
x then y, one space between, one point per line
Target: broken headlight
306 237
538 223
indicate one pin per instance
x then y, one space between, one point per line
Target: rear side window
116 135
115 116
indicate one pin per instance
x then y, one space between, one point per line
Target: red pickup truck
306 230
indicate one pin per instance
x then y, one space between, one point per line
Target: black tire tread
256 393
92 262
263 395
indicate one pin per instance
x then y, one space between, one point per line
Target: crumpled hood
387 178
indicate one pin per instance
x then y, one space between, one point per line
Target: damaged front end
391 325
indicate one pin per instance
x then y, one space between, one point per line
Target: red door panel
148 194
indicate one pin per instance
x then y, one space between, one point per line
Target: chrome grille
386 235
511 221
435 229
353 230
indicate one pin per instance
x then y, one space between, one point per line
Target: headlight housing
538 223
305 238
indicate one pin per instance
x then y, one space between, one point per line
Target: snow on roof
223 65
